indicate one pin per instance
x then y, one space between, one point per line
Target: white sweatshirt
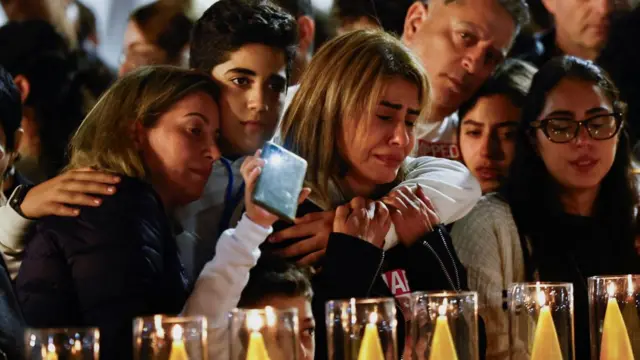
12 230
448 184
220 284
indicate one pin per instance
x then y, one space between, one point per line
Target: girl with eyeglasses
566 211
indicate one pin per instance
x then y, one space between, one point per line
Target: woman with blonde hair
354 126
155 128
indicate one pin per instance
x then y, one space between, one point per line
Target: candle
442 346
178 350
371 347
615 339
51 352
257 349
630 316
545 343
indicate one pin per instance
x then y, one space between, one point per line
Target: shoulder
120 216
491 218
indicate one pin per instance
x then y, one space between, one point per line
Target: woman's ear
22 83
139 135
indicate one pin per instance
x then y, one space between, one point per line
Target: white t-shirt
438 139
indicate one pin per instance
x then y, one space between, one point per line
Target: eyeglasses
599 127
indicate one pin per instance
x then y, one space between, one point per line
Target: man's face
584 23
460 44
253 83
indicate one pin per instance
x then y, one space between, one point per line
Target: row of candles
440 326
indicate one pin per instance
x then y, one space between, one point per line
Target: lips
202 172
487 173
253 125
584 163
457 85
392 161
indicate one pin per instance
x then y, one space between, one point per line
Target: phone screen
280 182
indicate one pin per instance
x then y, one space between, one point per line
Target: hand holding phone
279 185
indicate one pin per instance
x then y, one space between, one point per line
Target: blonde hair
105 138
344 80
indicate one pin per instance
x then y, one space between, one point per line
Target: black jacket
11 322
103 268
353 268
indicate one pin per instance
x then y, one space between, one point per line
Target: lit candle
442 346
630 316
545 343
51 352
371 347
615 339
178 350
257 349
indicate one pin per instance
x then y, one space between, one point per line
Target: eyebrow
398 107
197 114
500 125
560 113
596 110
241 70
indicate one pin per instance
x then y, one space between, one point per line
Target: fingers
342 212
303 247
251 169
315 216
357 203
295 231
434 218
313 258
75 198
66 211
91 175
87 187
303 195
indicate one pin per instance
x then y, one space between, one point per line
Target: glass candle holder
541 321
162 337
614 323
362 329
444 326
62 344
263 334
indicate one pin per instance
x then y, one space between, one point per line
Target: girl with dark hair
566 211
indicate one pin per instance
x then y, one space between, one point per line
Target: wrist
258 220
16 200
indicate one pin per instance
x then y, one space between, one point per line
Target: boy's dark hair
165 25
389 14
296 7
512 79
230 24
275 277
10 108
86 25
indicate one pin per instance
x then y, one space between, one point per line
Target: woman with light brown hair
352 120
156 129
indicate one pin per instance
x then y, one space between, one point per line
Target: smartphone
279 185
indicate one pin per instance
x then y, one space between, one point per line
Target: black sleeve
434 264
350 267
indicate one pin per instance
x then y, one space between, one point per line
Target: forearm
12 230
220 284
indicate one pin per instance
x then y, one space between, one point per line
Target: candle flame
542 299
157 322
176 332
254 321
373 317
442 309
271 316
630 285
77 345
51 348
611 289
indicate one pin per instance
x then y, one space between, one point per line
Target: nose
212 152
583 137
257 99
472 60
400 137
490 148
602 7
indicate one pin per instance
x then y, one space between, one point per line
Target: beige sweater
488 244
